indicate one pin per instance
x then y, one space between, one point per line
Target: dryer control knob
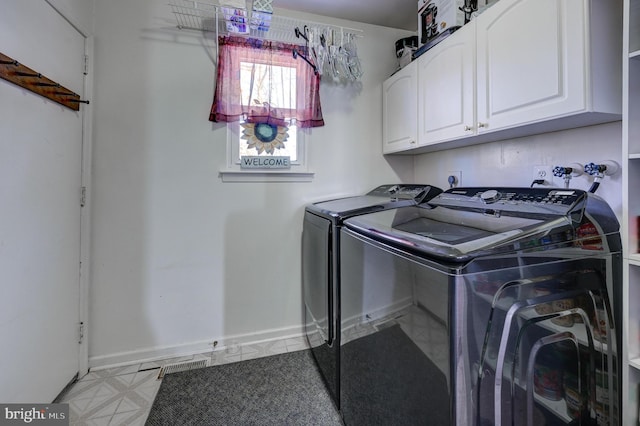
490 196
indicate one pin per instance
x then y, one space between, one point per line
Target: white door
446 88
531 61
40 172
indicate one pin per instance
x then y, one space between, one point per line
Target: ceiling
401 14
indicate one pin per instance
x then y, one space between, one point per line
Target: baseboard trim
157 353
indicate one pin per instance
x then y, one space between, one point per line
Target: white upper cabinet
535 61
522 67
446 79
400 110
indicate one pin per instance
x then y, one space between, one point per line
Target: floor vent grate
181 366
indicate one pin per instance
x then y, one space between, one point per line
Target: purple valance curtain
261 82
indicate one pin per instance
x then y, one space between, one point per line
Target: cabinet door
531 61
446 88
399 110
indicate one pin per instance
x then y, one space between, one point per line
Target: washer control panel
536 200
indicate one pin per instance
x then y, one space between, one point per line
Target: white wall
78 12
510 162
180 259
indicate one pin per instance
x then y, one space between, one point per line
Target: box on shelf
261 15
405 48
436 16
260 21
235 16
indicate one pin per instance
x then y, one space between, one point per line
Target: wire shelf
196 15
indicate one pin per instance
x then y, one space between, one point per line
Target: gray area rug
284 389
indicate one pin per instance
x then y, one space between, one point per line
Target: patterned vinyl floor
124 395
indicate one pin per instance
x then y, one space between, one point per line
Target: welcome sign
260 162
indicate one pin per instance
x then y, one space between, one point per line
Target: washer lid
464 224
448 233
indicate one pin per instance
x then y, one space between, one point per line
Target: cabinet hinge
83 196
85 70
80 332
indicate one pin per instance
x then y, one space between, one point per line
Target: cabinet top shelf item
201 16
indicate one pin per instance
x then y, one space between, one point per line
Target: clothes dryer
321 265
483 306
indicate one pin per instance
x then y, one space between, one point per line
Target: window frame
299 171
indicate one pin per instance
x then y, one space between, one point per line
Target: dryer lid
381 198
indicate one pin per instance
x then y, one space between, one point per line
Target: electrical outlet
543 173
457 179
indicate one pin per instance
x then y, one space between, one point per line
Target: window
266 140
268 84
268 98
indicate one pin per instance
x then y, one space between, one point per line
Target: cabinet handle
412 142
481 125
468 128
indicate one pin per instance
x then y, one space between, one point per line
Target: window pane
272 84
